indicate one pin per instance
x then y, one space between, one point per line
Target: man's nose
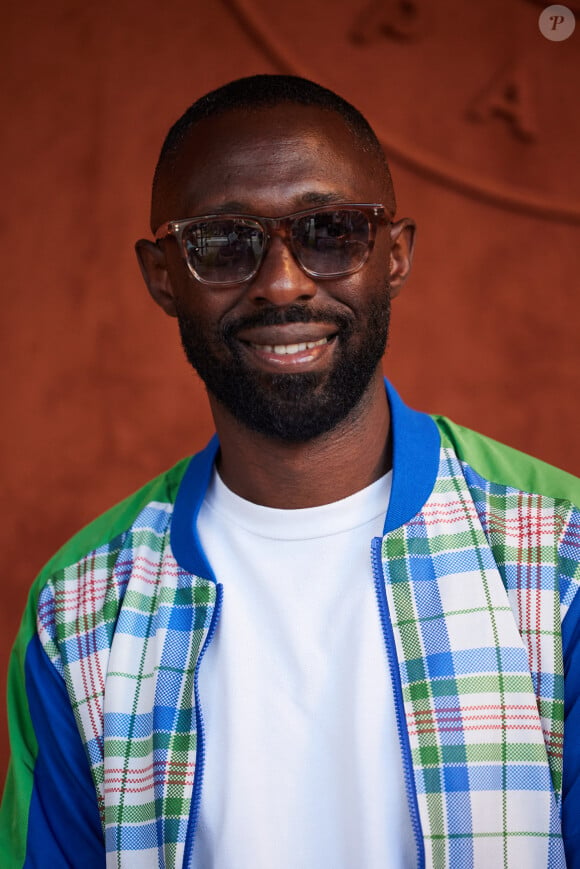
280 280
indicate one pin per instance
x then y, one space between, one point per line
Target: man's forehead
306 150
237 137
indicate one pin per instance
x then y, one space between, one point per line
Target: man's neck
325 469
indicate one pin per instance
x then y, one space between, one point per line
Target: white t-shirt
303 766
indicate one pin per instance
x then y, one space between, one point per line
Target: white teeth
287 349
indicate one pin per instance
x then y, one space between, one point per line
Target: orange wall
479 112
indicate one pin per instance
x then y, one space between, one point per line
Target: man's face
285 354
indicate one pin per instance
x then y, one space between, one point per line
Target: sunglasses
327 242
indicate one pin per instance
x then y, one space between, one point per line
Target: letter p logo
557 23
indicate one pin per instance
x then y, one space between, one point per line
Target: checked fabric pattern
474 586
124 627
476 583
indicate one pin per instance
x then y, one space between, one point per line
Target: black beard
291 407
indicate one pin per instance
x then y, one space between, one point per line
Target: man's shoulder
159 492
505 466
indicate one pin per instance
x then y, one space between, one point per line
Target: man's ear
401 257
153 267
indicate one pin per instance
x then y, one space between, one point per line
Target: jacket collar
416 445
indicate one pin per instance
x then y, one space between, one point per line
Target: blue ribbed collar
416 444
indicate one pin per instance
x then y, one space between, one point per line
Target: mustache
273 316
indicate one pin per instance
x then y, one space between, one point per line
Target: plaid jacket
477 579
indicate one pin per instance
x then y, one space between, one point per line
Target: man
345 634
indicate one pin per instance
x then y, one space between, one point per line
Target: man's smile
290 345
288 349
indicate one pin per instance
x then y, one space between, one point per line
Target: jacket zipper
389 638
200 753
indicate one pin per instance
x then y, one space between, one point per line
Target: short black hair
267 91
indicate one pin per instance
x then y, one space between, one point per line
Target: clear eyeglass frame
375 214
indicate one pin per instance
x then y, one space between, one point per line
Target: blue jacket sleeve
571 778
64 826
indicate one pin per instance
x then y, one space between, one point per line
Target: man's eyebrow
311 197
315 197
232 207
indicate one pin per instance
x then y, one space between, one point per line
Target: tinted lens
331 242
223 251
